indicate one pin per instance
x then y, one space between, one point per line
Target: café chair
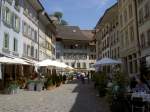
138 105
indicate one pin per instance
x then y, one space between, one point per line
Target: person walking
82 78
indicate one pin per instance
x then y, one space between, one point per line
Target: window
84 65
24 49
28 50
147 10
130 64
78 65
73 65
35 36
15 47
126 37
131 33
142 40
36 53
58 56
32 51
130 11
6 41
17 4
25 28
29 31
32 34
7 16
148 37
141 19
16 23
125 16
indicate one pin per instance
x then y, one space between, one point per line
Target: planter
31 86
39 86
50 87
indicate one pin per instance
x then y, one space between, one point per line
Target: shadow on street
86 100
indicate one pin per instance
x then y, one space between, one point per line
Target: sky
82 13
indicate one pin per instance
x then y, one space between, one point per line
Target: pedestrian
82 78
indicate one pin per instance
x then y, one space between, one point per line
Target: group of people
139 85
82 77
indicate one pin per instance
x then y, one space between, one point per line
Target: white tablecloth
145 96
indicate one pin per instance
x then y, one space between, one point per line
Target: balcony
75 50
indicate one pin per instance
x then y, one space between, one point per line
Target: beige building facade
128 32
107 44
143 12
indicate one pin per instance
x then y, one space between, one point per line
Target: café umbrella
107 61
52 63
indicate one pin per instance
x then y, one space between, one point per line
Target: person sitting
141 86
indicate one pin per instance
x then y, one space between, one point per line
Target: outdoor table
144 96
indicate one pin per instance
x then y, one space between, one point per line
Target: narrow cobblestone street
72 97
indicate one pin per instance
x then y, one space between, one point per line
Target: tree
59 16
63 22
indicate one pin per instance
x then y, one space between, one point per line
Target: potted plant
39 85
115 94
12 88
49 84
31 85
102 84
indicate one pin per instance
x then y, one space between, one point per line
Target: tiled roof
88 34
70 33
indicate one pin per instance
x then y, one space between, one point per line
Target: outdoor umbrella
7 60
52 63
20 61
46 62
107 61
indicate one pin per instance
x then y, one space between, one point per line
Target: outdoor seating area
22 74
124 94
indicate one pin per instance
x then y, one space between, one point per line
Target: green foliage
63 22
30 81
49 82
58 15
118 89
13 85
100 80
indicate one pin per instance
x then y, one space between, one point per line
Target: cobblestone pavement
73 97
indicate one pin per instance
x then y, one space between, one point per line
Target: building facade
75 48
130 49
143 12
22 24
107 35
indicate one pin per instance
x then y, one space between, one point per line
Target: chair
138 105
